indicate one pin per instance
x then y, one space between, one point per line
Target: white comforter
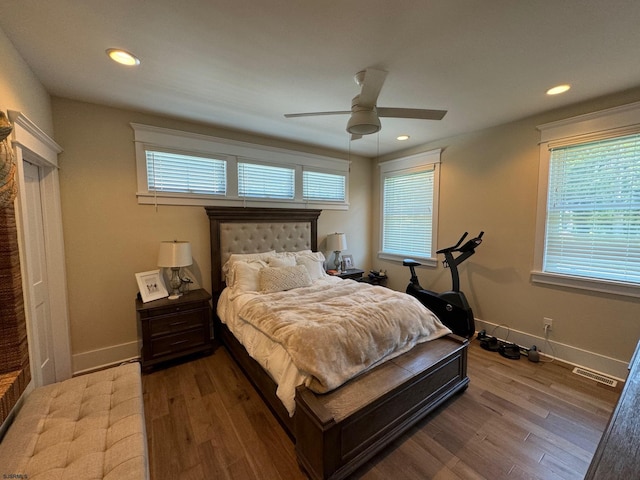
325 334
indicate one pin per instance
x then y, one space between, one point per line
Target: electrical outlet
547 324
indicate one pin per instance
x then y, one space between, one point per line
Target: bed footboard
338 432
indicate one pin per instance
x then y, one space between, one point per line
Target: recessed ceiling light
123 57
558 89
402 138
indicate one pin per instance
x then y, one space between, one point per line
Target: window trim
609 123
412 164
234 151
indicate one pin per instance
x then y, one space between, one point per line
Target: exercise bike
450 307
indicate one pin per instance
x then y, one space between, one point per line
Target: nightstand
351 273
171 329
375 279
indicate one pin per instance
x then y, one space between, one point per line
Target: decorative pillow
278 279
242 257
246 275
314 261
282 261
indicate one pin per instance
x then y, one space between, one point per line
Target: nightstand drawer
171 309
163 346
169 324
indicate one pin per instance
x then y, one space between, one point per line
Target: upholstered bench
88 427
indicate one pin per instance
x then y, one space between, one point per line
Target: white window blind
408 213
265 181
323 186
177 173
593 210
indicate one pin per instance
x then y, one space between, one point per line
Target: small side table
171 329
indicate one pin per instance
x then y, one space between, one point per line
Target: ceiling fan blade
418 113
371 86
316 114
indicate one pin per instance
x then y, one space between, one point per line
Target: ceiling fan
365 114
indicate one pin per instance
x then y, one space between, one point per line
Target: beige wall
489 182
20 90
109 237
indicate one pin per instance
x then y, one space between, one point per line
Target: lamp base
337 262
175 283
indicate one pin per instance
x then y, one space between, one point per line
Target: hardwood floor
517 420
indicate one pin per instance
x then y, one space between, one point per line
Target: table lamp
174 255
337 242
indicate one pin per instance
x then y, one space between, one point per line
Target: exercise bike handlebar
453 248
472 244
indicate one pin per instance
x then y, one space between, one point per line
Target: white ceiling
242 64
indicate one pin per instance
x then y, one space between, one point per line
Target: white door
42 354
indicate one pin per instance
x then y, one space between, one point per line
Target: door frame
31 144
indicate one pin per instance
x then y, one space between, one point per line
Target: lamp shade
174 254
336 242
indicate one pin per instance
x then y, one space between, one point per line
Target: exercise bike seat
408 262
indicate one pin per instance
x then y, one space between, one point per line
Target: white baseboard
618 369
611 367
105 357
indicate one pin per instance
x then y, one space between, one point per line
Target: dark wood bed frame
337 432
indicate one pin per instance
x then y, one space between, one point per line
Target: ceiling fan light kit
363 122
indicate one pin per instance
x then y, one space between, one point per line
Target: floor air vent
595 376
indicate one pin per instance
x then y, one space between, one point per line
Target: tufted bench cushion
88 427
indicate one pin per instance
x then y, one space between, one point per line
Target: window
323 186
409 205
590 218
181 168
173 172
265 181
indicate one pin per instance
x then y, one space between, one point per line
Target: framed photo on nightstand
151 286
347 262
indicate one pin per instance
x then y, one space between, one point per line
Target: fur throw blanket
336 332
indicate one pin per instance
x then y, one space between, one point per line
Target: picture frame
151 286
347 262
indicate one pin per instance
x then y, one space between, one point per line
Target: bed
335 431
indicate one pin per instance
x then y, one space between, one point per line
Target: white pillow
314 261
282 261
291 254
278 279
246 275
242 257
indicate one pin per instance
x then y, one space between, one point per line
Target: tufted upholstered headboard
253 230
